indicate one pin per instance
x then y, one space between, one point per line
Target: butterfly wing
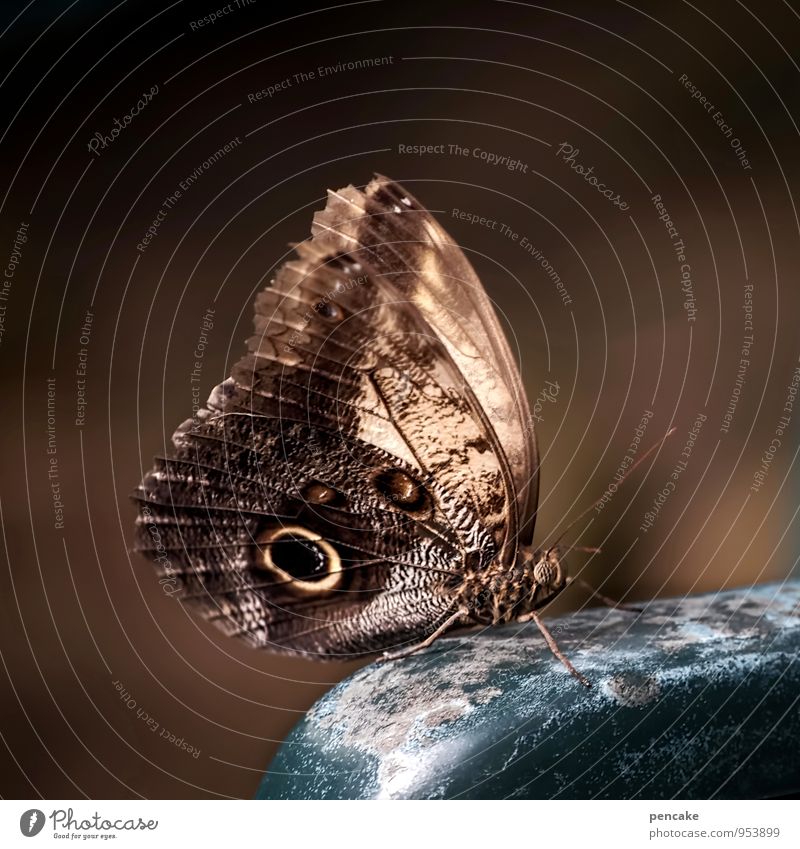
338 486
414 251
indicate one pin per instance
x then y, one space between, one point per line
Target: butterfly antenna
625 475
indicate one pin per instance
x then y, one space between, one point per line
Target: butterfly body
368 476
500 594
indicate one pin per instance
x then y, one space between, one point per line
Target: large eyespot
401 489
304 562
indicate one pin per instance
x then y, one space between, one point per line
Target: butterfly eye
301 559
544 573
401 489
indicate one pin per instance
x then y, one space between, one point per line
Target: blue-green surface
695 698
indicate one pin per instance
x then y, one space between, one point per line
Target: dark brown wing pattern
333 492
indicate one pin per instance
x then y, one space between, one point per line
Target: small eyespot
302 561
401 489
315 492
329 310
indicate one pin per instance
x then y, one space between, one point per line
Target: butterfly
367 478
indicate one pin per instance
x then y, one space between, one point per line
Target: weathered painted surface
694 698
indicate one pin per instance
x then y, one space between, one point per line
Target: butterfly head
546 572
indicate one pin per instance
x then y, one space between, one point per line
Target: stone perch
694 698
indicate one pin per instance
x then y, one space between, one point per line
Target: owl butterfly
367 477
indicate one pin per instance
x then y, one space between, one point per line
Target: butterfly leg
553 646
396 655
610 602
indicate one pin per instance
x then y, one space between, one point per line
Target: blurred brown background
98 663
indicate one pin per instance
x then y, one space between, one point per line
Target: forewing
407 245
